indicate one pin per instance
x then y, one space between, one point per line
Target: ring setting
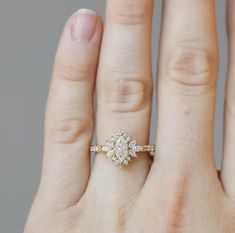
121 149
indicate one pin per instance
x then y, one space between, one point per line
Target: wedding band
121 148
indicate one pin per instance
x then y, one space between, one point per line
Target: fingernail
85 25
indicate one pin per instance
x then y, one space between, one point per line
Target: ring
121 148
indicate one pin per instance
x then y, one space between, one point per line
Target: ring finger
124 92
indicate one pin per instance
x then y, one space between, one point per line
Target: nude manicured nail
85 25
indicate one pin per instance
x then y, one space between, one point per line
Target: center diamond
121 148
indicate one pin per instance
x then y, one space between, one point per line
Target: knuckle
131 12
70 131
73 72
192 69
128 95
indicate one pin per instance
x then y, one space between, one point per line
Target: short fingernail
85 25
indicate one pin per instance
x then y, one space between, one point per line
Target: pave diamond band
121 148
144 148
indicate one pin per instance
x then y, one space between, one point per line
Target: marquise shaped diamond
121 148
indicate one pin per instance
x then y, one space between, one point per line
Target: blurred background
29 33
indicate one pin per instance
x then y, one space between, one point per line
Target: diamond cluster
121 148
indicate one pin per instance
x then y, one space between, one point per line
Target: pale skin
177 192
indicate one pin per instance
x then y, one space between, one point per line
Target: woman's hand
178 192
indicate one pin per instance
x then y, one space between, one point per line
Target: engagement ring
121 148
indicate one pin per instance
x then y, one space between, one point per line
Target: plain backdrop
29 33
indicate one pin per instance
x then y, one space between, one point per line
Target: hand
178 192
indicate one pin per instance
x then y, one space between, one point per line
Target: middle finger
186 90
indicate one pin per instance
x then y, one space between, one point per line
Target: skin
177 192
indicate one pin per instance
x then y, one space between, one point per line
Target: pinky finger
69 116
